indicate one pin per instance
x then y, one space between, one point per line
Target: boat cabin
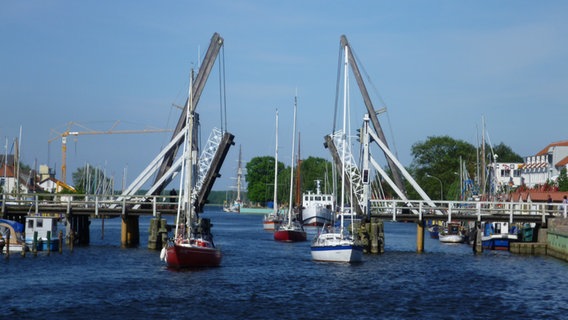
43 226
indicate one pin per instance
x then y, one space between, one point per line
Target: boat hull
290 235
189 256
337 253
451 238
316 216
496 243
333 247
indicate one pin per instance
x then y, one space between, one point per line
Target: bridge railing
36 202
473 208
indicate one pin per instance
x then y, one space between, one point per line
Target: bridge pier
372 234
157 233
420 236
130 232
78 229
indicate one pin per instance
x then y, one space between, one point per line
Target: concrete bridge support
130 232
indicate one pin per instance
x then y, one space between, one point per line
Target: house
545 165
13 181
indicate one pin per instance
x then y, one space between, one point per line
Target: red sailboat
291 230
192 244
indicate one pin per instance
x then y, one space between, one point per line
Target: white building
545 165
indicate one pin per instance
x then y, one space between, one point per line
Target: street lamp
441 186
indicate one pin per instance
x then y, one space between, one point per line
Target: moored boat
434 231
14 231
451 233
497 235
46 228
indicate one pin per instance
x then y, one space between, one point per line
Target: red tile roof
538 196
554 144
562 162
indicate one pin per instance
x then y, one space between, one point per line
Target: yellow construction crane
88 131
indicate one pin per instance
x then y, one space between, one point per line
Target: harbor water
263 279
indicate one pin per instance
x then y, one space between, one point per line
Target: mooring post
130 235
478 244
34 244
48 242
60 241
420 236
374 237
155 232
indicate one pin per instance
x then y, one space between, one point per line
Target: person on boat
173 195
549 201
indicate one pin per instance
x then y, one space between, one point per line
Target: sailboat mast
298 164
483 157
343 137
275 205
292 163
239 176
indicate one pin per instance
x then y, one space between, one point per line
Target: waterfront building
546 165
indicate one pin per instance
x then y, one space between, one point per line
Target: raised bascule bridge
130 205
368 201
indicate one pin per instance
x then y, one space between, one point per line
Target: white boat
292 230
192 245
338 244
451 233
46 228
317 208
273 219
15 232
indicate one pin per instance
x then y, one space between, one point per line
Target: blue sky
438 67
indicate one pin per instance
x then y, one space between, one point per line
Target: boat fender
163 254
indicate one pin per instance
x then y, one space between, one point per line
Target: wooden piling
420 236
130 234
478 243
48 242
60 241
34 244
156 232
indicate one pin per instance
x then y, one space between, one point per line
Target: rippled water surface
261 279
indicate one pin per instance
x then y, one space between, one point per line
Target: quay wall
557 238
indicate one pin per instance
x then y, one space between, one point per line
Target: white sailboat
273 220
338 244
292 230
235 206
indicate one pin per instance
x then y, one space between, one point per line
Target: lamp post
441 186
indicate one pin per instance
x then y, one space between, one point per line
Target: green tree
438 158
260 178
506 154
313 169
563 180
